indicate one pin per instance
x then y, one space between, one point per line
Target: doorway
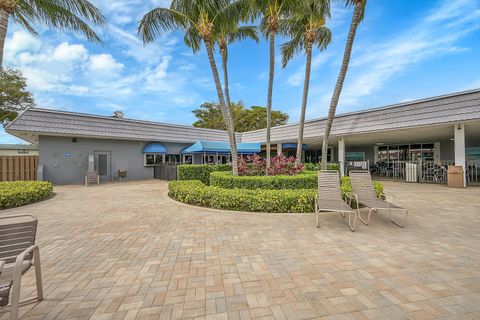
103 165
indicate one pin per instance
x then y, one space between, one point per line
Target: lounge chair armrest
2 264
21 256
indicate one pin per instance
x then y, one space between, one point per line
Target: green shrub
258 200
196 193
199 171
346 187
19 193
305 180
317 166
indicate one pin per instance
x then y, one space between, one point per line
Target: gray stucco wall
66 162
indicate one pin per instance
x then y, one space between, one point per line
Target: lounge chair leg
316 217
343 214
17 281
38 273
352 226
400 224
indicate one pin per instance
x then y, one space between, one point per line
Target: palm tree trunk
226 114
340 81
269 96
3 33
306 86
225 81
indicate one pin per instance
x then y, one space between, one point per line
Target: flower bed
255 200
305 180
19 193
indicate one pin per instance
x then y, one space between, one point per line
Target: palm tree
307 29
228 35
358 14
272 12
199 20
70 15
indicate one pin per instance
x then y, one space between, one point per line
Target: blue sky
404 50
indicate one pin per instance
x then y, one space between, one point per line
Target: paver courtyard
126 250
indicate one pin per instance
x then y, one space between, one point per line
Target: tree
59 14
209 116
271 12
306 28
14 97
199 20
358 14
225 36
255 118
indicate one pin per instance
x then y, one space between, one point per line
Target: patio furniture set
329 198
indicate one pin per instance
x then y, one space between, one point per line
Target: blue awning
222 147
154 147
292 146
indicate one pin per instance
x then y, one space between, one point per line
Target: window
150 159
172 158
355 156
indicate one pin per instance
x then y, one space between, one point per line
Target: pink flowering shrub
255 165
280 164
252 165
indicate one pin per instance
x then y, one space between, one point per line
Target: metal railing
473 172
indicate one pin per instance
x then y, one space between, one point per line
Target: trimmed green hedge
199 171
196 193
19 193
317 166
226 180
259 200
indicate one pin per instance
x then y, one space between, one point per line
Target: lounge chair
363 191
329 198
18 253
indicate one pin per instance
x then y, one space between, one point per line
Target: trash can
455 176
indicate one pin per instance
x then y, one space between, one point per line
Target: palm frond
72 15
323 38
160 20
53 16
192 39
291 49
243 33
362 3
80 8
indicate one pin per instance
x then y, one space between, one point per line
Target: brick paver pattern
127 251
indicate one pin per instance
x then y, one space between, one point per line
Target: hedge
199 171
306 180
259 200
196 193
19 193
317 166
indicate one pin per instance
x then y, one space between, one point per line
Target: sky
404 50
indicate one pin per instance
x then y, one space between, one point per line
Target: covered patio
112 252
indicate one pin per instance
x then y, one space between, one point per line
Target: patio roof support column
341 155
332 154
375 154
279 148
459 135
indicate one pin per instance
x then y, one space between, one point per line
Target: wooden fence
15 168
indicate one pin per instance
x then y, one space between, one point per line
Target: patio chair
329 198
18 253
92 177
362 187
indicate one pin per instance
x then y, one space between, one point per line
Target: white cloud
20 41
66 52
105 64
